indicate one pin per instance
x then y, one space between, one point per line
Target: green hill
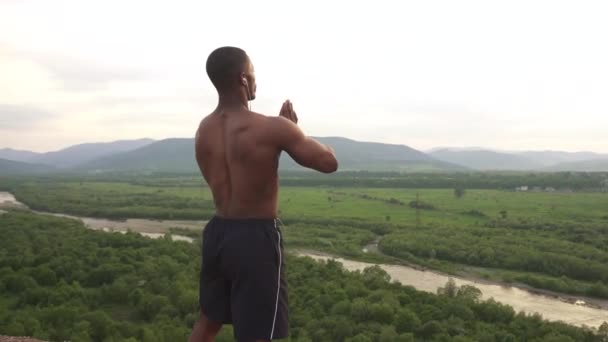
78 154
169 155
372 156
595 165
177 155
9 167
18 155
552 158
486 159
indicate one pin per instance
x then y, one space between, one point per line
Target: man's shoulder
273 130
270 122
262 117
207 119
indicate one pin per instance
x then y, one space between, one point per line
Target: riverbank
549 307
151 228
468 273
552 306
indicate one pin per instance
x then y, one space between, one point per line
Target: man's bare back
238 154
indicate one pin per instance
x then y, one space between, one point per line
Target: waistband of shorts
246 221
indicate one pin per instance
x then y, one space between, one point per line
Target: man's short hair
224 66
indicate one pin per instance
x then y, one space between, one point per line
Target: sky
509 75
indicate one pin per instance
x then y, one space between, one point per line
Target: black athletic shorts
242 278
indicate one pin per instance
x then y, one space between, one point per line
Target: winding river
151 228
554 308
551 308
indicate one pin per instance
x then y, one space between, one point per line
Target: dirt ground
18 339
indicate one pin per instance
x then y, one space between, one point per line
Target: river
151 228
550 307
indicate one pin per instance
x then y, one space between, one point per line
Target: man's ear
244 80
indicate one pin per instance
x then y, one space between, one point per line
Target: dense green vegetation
554 240
576 181
60 281
469 180
116 200
573 267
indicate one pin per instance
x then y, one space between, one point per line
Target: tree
450 289
469 292
375 276
459 192
14 328
603 332
557 337
81 332
44 276
17 283
406 337
388 334
406 321
359 338
147 335
429 329
151 305
101 325
341 328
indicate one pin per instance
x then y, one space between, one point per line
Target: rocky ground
18 339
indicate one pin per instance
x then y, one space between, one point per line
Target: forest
60 281
553 240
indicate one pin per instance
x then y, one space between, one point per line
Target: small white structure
580 302
522 188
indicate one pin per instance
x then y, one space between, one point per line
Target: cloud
22 117
80 75
76 74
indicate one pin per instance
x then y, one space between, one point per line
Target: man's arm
304 150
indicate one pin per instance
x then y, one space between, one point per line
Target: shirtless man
242 276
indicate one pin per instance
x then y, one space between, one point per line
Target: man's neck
232 101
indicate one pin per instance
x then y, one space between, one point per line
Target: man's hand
288 113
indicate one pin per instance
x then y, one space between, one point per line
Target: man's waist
247 220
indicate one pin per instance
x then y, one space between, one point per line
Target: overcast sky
510 75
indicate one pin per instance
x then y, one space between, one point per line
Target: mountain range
494 160
74 155
16 167
177 155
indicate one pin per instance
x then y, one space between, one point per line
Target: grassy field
551 240
365 204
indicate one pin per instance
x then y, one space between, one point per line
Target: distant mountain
11 167
372 156
594 165
169 155
486 159
458 149
79 154
549 158
177 155
17 155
